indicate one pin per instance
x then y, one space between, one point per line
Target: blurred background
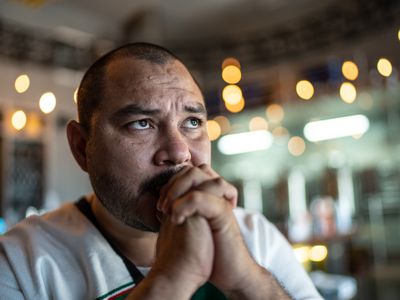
304 115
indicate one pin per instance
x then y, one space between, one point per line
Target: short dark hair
92 86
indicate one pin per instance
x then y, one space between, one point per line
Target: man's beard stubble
127 206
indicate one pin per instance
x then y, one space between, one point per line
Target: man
161 224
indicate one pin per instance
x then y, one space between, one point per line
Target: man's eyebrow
134 109
196 108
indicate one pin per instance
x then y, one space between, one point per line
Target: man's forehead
146 83
131 70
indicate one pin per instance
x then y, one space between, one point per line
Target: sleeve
271 250
8 284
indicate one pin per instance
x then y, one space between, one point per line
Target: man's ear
77 138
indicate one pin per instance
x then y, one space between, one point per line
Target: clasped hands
200 239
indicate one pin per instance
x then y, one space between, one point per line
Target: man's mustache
154 184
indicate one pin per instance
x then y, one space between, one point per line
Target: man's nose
173 149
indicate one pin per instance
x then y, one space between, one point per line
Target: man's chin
149 218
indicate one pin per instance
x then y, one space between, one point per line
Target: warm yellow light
76 95
280 132
398 34
231 74
350 70
47 102
223 123
305 89
213 130
258 123
296 146
235 108
232 94
302 253
230 61
22 83
34 125
280 135
384 67
275 113
18 119
348 92
318 253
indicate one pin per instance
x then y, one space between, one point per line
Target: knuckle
195 197
219 181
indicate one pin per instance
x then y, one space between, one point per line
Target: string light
348 92
18 119
232 94
235 108
384 67
350 70
305 89
231 74
22 83
47 102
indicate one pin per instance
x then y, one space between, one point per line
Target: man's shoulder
261 236
59 224
250 220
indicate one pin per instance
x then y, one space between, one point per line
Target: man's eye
192 123
140 124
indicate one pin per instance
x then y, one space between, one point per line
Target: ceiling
157 19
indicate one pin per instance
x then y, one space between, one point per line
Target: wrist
259 284
176 283
170 286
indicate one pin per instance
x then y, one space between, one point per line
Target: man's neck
137 245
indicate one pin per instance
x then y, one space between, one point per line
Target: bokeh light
258 123
47 102
275 113
318 253
296 146
235 108
22 83
213 130
384 67
230 61
304 89
34 125
302 253
348 92
223 123
232 94
76 95
280 132
18 119
350 70
231 74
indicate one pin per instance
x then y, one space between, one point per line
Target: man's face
150 123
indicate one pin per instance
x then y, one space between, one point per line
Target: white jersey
61 255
